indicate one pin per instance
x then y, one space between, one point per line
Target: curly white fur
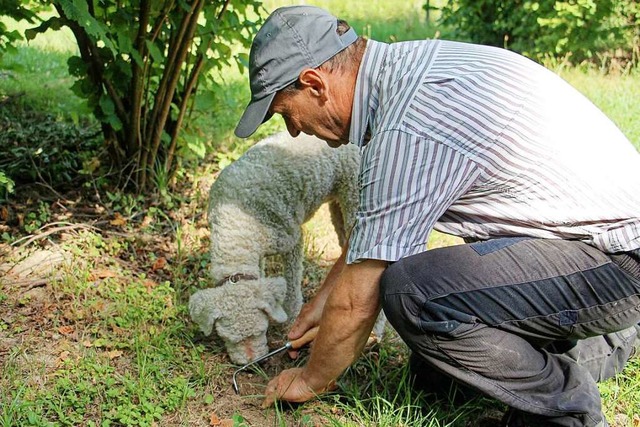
240 313
257 206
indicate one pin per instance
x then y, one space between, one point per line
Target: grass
105 338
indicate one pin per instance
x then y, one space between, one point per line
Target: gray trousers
533 323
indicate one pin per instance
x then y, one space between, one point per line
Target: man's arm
349 314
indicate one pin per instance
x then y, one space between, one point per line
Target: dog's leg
337 219
293 275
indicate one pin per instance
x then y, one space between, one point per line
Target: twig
29 284
31 238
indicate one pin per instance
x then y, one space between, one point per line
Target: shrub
577 30
139 66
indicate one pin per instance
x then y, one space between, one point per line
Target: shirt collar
365 101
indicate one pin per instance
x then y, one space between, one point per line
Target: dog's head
240 313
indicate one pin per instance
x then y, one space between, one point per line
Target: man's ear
315 80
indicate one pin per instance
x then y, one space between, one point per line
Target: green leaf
106 105
154 51
205 100
53 23
78 11
243 61
77 66
6 183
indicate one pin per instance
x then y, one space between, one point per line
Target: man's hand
308 319
291 386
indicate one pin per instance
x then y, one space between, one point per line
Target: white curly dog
257 207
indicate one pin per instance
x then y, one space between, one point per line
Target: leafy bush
139 65
16 10
577 30
37 147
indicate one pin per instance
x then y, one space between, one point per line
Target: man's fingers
308 336
270 393
298 329
268 401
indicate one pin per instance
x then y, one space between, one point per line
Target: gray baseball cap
292 39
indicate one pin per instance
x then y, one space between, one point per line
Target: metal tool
290 345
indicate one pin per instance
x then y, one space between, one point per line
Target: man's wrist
315 383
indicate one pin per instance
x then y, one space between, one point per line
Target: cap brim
254 115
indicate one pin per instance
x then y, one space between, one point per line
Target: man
481 143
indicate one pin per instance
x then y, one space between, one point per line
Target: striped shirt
481 142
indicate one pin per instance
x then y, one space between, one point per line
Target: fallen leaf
159 264
636 420
4 213
101 274
114 353
214 421
65 330
149 284
227 422
63 356
118 220
146 221
87 343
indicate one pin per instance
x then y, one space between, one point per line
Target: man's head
303 65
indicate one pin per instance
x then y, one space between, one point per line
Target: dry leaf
118 220
159 264
63 356
101 274
4 213
149 284
227 422
214 421
65 330
114 353
87 343
636 420
146 221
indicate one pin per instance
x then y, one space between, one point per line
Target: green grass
109 341
38 78
383 21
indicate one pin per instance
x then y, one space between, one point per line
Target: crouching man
481 143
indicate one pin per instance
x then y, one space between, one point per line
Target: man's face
315 112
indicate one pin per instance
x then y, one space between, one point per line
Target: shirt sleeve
406 183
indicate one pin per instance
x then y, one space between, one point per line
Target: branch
91 56
31 238
148 150
138 80
172 80
191 83
224 9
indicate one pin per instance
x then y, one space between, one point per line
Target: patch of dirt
44 328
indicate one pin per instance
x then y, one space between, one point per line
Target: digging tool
290 345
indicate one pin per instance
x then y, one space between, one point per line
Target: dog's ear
272 291
204 310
